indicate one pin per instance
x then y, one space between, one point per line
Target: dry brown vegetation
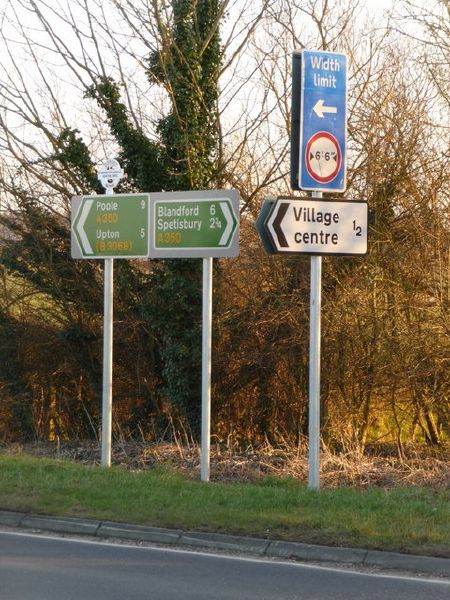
380 466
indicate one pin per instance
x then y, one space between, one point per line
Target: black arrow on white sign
317 226
281 212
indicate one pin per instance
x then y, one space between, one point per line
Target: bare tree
386 316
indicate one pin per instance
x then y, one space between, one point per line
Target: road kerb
429 565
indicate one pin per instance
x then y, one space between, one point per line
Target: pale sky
65 85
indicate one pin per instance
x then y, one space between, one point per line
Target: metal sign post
108 294
316 226
315 303
206 368
197 224
318 164
109 175
106 227
322 166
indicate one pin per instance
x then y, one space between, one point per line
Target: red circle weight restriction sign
323 157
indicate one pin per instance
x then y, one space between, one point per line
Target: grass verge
414 519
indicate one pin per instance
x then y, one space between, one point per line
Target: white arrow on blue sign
323 121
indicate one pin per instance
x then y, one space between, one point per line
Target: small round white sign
110 174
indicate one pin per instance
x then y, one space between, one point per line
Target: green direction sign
194 224
110 226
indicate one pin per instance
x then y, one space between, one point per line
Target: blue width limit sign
323 121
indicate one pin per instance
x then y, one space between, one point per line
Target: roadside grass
413 519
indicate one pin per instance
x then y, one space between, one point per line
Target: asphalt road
37 567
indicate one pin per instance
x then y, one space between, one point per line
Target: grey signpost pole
206 367
109 175
107 360
314 368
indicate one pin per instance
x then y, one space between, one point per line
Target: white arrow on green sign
194 224
110 226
